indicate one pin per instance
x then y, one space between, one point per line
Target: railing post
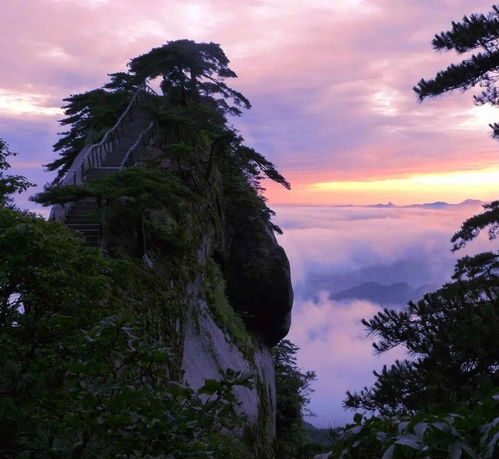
93 156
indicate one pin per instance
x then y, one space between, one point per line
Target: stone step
91 232
87 227
83 212
113 159
84 206
79 213
99 172
86 210
81 221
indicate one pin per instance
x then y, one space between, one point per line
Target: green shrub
468 432
225 316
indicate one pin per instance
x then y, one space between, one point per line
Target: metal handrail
132 156
93 155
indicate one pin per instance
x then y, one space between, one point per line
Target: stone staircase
84 215
84 218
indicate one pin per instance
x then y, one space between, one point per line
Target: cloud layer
335 248
332 341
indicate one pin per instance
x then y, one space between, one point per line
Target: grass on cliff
225 316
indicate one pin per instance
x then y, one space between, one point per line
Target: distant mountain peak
428 205
397 294
471 202
379 205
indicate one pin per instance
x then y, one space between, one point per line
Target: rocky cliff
229 294
173 198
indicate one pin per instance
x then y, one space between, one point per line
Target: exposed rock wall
209 350
229 288
216 339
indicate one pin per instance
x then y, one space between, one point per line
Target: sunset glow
481 183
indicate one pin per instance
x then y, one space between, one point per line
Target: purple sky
330 82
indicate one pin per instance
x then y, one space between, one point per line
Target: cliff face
229 296
173 195
209 350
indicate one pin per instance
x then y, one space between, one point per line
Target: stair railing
134 153
92 156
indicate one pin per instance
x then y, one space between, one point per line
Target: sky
330 82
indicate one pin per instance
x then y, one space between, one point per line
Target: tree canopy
190 70
9 184
477 32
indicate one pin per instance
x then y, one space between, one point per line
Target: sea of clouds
334 248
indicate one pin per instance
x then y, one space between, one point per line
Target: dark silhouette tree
293 396
477 32
190 70
473 225
451 333
9 184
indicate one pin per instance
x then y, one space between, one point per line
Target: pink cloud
334 248
330 81
340 353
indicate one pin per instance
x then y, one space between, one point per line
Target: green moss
223 313
159 303
258 437
265 438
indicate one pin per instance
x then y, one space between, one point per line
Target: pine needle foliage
477 32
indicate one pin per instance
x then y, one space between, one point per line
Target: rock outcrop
191 208
232 279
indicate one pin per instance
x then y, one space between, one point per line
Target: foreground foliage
444 401
452 336
293 396
467 432
82 374
9 184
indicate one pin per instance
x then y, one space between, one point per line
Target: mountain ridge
396 294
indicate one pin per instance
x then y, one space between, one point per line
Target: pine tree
477 32
293 396
452 337
450 334
190 70
9 184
